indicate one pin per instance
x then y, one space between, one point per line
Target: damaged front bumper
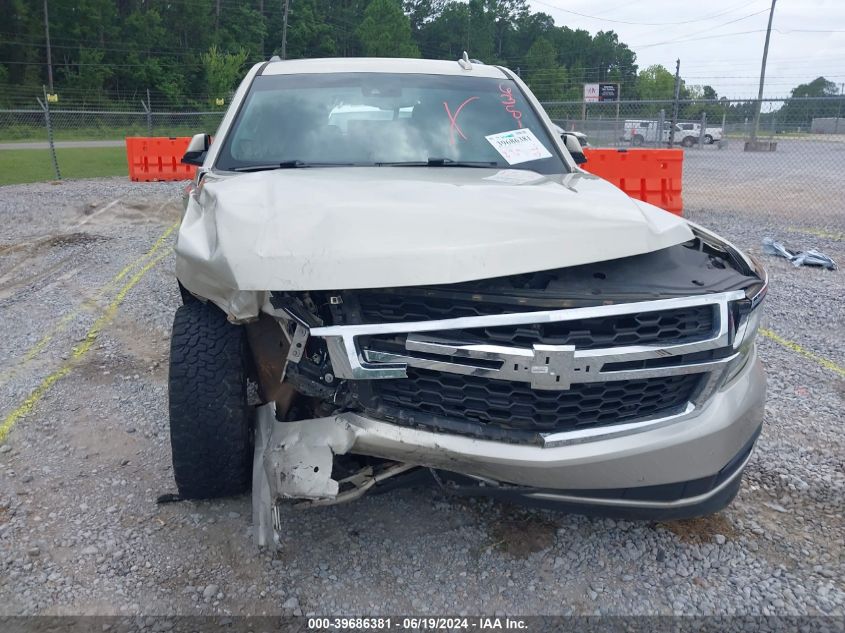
682 465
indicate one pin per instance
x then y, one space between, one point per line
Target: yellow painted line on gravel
817 232
69 317
798 349
156 245
78 351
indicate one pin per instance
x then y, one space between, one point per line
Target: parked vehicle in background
634 128
711 134
640 132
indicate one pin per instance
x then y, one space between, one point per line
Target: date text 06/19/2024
417 623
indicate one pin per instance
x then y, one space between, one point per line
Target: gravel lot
800 183
80 532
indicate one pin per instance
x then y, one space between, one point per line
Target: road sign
593 93
608 92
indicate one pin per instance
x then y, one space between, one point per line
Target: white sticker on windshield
518 146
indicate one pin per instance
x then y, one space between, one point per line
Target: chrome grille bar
551 367
544 366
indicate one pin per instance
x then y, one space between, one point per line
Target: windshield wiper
289 164
440 162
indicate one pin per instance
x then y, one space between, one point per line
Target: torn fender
293 460
298 458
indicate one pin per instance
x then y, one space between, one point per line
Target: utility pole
49 56
469 25
839 108
674 105
263 21
759 103
285 30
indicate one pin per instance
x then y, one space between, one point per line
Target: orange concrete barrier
157 158
650 175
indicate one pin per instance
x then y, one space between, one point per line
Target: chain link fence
794 177
791 176
29 125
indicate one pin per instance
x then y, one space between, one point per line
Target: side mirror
573 146
197 149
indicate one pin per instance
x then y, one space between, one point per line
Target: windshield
387 119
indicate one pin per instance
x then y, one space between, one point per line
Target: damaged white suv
394 268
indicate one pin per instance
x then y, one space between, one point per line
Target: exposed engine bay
308 388
308 457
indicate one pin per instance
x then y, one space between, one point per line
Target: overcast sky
808 38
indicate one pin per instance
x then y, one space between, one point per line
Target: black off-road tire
211 433
637 140
708 140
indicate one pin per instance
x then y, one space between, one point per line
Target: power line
681 38
786 32
605 19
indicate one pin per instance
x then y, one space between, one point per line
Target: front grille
501 374
516 406
680 325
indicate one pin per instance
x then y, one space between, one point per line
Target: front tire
210 419
708 140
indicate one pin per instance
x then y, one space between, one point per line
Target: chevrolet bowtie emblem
552 367
555 367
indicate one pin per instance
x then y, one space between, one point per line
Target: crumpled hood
361 227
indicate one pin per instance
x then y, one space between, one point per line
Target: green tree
527 29
709 92
422 12
23 67
343 17
545 77
614 60
693 110
655 82
386 31
573 47
116 49
819 87
309 35
816 99
505 14
222 71
145 33
92 73
447 35
241 29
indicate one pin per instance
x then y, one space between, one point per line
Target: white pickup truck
711 134
639 132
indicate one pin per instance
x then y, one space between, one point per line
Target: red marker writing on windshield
453 120
509 102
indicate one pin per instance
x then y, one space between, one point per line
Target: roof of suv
379 65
